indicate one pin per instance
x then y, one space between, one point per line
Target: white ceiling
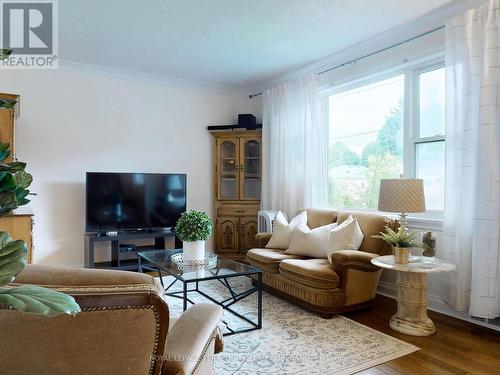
238 43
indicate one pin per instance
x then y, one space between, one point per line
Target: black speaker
247 120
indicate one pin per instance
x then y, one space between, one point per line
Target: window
366 142
429 140
376 132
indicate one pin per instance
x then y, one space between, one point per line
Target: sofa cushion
268 259
347 236
315 273
310 242
317 217
371 223
282 230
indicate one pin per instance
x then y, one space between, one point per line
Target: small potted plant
193 229
401 241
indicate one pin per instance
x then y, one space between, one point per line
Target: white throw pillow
282 230
346 236
310 242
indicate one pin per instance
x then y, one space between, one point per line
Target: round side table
411 317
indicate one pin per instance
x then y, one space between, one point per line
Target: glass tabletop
162 259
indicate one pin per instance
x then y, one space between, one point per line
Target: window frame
411 123
414 131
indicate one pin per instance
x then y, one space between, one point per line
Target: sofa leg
326 315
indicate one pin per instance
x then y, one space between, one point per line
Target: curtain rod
354 61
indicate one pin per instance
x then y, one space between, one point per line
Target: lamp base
403 221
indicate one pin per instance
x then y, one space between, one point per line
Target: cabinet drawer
238 210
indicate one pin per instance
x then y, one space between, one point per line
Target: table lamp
402 195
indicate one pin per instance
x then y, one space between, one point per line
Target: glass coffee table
221 269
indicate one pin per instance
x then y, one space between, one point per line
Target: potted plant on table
193 229
401 242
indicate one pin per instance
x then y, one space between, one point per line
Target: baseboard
437 304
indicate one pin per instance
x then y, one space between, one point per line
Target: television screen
119 201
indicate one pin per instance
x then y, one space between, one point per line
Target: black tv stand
120 245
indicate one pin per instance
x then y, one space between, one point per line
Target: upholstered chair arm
355 259
358 276
263 239
86 280
192 340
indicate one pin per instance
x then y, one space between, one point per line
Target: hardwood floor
458 347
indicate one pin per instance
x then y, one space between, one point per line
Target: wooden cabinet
248 230
19 227
227 230
238 175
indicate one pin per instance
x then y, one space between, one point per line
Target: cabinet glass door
250 168
228 168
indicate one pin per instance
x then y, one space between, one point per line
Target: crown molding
437 17
125 74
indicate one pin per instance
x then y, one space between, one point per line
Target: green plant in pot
402 241
193 229
14 183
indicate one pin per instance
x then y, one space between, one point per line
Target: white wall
77 121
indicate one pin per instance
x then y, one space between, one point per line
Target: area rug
294 340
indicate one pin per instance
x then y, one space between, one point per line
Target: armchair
124 328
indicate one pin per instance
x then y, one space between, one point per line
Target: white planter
193 250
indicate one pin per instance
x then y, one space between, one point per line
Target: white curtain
294 147
472 209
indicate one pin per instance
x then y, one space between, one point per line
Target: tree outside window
366 142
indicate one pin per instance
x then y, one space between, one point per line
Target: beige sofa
349 283
124 328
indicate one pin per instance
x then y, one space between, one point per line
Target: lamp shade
401 195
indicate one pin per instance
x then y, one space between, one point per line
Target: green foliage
14 183
340 193
4 151
380 166
37 300
5 53
401 238
194 226
388 138
7 103
12 258
340 154
382 158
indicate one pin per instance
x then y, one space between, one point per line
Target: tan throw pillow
347 236
282 230
310 242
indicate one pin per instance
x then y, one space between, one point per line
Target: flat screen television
130 201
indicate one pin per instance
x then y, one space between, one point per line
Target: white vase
193 250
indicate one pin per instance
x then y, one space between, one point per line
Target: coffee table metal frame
224 279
